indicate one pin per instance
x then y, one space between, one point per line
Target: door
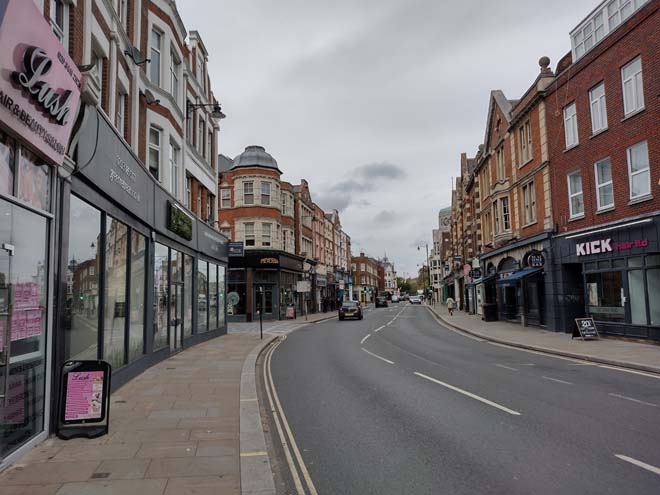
23 300
176 316
263 300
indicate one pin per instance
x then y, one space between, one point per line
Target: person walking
450 306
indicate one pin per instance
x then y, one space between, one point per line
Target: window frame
572 119
599 186
155 69
155 147
175 155
249 183
175 64
525 142
529 203
632 174
225 192
571 195
61 32
600 103
506 214
120 117
268 194
637 86
266 233
249 239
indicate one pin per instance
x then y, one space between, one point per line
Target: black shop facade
268 279
612 274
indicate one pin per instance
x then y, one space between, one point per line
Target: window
123 13
59 20
121 114
190 133
114 314
604 186
633 90
225 198
525 137
496 217
637 297
136 296
200 135
575 196
174 169
189 192
265 234
248 193
202 296
501 170
199 201
639 174
529 203
213 296
174 74
226 232
209 148
249 234
598 108
154 65
154 151
506 220
98 65
570 126
209 208
604 292
265 193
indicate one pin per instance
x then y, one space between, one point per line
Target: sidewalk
645 357
277 327
174 430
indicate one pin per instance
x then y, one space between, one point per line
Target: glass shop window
34 180
137 296
116 256
202 296
161 265
605 296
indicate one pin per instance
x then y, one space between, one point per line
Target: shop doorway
263 299
176 316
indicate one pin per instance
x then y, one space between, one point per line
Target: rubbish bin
490 312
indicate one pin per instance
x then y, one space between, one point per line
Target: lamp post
428 263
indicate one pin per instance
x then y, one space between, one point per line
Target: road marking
379 328
249 400
469 394
377 356
634 400
365 338
637 463
253 454
506 367
556 380
582 364
635 372
389 323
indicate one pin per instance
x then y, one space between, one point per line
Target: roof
224 163
255 156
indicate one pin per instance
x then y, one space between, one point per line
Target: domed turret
255 156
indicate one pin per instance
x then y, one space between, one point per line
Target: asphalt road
429 411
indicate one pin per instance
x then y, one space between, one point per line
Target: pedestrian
450 306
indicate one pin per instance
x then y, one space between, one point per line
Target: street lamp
428 263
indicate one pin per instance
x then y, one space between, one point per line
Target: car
406 297
395 299
381 302
415 299
350 309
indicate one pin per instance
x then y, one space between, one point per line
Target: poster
14 411
592 292
84 395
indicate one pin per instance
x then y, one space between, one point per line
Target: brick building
364 271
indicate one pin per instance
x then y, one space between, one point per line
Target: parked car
406 297
395 299
350 309
381 302
415 299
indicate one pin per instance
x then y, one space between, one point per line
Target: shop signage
475 273
535 259
178 221
303 286
269 261
605 246
236 249
39 83
585 328
233 298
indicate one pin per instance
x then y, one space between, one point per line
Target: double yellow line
297 467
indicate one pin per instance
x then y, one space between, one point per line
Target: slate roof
255 156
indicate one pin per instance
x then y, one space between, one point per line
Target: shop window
653 259
187 295
114 294
636 261
213 296
637 297
653 284
202 296
7 154
604 295
604 265
240 289
137 296
221 296
82 302
161 268
619 263
33 180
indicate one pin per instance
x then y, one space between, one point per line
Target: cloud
383 170
385 217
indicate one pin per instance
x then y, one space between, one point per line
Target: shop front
35 127
612 274
265 281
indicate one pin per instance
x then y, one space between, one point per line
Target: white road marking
389 323
556 380
506 367
379 328
377 356
634 400
635 372
637 463
365 338
582 364
469 394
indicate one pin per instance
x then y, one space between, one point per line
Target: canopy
516 277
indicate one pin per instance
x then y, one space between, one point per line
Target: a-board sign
291 312
585 328
84 399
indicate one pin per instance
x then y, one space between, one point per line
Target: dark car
381 302
350 309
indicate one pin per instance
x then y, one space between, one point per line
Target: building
105 260
602 113
390 285
365 278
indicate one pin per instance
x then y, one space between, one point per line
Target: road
398 404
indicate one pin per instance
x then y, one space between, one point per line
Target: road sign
233 298
586 328
303 286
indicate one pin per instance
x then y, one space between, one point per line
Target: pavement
185 426
400 403
606 350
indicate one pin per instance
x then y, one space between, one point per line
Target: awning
516 277
483 280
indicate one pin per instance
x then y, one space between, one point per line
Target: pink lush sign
39 83
84 395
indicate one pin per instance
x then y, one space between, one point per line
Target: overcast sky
373 101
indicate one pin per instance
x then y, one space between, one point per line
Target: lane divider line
276 416
379 328
633 400
469 394
637 463
365 338
506 367
556 380
377 356
635 372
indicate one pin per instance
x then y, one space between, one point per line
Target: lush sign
179 222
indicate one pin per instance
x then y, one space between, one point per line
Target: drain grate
97 476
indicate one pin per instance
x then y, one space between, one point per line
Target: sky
373 101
